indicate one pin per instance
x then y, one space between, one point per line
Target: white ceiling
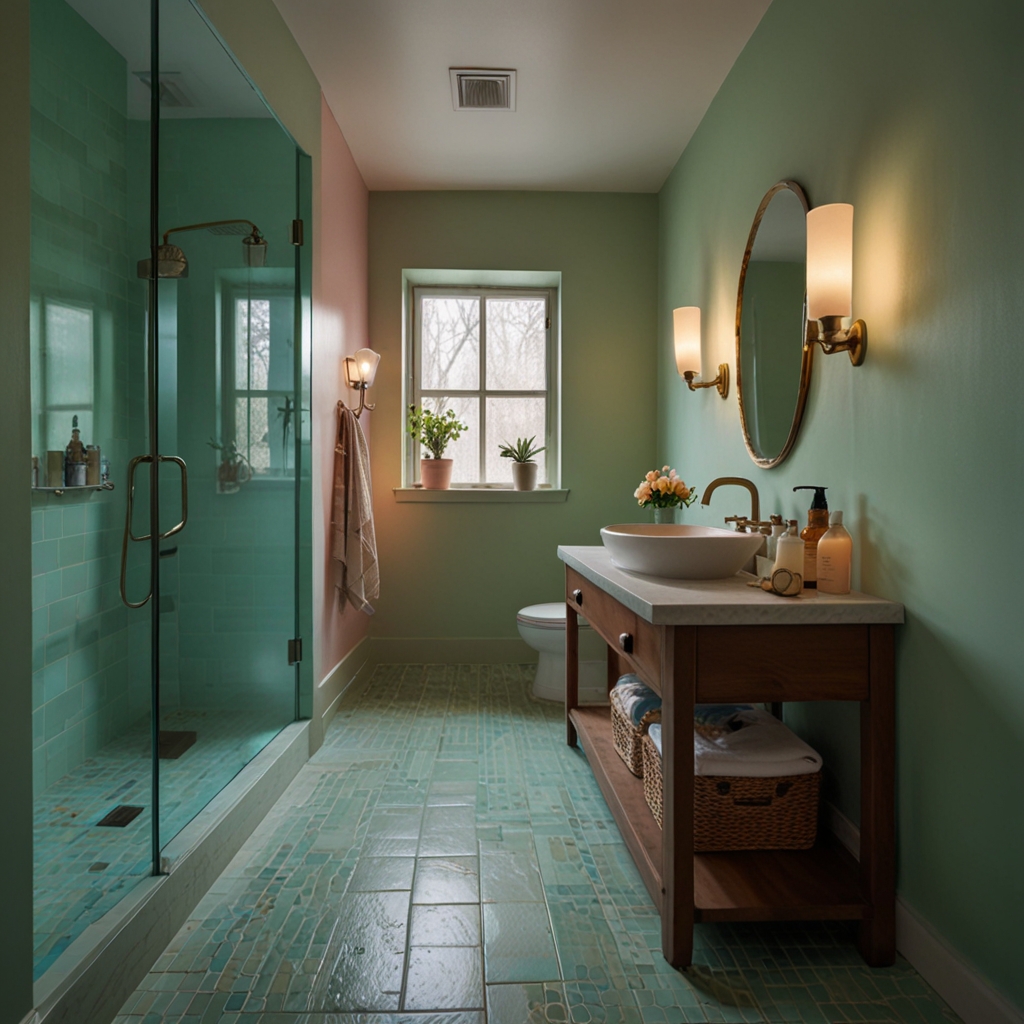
609 92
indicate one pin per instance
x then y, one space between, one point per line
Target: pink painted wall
339 329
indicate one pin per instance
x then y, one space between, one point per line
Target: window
487 354
62 372
259 397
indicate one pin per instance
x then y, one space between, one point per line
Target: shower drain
120 816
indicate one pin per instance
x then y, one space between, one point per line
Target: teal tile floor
81 871
444 858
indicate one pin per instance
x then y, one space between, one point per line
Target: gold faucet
739 481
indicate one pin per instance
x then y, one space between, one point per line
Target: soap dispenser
790 551
817 525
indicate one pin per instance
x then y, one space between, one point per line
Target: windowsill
481 495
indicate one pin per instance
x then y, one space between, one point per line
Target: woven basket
742 813
627 737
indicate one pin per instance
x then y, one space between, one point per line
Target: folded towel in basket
762 747
636 698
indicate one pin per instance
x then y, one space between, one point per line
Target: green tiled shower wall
90 678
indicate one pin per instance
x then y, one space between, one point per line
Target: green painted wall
910 112
15 522
465 570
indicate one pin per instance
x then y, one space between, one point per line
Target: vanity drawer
623 631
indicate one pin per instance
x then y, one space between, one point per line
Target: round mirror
773 367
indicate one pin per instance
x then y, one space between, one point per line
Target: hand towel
353 538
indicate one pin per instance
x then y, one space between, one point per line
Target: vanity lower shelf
747 885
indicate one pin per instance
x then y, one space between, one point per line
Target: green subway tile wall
86 687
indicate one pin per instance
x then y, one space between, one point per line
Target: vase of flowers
524 469
664 491
434 432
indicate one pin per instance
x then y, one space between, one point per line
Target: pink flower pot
435 474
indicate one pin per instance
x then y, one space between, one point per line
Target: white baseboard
960 984
355 668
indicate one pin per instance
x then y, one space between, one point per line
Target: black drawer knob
626 642
577 596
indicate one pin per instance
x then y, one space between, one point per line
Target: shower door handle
129 511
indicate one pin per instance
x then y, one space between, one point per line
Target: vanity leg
572 670
614 667
679 682
877 809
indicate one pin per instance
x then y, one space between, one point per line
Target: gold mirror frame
807 351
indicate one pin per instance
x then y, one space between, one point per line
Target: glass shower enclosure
170 347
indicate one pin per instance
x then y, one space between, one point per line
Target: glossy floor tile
444 858
81 870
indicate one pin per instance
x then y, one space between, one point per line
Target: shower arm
256 236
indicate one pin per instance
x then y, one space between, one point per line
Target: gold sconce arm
363 404
721 382
829 333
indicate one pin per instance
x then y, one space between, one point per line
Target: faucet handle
742 522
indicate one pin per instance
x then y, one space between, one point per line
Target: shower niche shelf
108 486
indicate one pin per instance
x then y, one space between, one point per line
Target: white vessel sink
679 552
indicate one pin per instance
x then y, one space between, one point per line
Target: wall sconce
830 282
686 331
360 371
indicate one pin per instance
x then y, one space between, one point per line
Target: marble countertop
728 602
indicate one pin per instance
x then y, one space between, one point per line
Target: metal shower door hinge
298 232
295 651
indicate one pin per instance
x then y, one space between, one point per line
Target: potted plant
524 469
665 492
234 469
434 432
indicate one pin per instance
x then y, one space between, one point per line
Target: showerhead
171 261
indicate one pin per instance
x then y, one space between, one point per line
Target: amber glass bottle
817 525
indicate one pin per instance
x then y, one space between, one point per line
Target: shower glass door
229 406
161 630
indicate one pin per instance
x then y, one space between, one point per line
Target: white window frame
415 393
233 292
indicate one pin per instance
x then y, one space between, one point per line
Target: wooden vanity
720 641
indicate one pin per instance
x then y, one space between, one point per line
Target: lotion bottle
835 555
790 551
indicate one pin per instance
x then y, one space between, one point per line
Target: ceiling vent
172 92
483 89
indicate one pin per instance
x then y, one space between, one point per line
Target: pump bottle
817 524
790 551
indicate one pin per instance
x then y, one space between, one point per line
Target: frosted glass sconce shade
686 336
686 331
830 283
830 261
366 363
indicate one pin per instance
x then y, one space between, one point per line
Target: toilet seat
546 616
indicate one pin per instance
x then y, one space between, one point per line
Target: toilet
542 626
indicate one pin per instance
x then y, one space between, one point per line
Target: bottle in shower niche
75 459
835 557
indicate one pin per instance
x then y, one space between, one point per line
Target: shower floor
81 870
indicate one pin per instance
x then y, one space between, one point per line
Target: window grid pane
494 348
